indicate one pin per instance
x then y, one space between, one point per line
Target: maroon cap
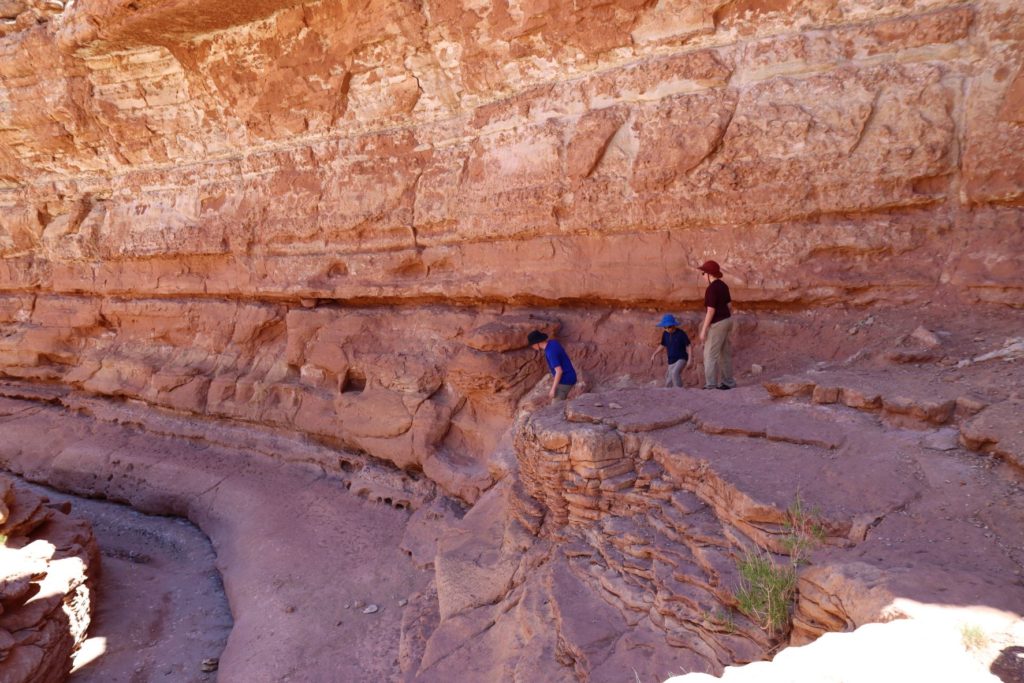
711 268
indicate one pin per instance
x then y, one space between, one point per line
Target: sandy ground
296 551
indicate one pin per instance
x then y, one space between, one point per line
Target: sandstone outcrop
649 500
219 202
49 563
270 266
611 544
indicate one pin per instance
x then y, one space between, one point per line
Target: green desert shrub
766 590
804 529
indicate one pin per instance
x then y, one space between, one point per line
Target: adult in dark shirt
716 329
562 372
676 345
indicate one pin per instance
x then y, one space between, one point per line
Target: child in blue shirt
676 345
562 371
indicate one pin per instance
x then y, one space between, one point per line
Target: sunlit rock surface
49 563
189 188
295 248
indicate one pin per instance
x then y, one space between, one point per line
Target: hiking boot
724 387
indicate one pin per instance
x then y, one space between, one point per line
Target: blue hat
668 320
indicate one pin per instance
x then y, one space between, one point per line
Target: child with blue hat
677 346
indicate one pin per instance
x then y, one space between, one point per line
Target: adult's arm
706 324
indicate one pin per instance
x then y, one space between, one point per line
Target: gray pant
718 355
562 391
674 374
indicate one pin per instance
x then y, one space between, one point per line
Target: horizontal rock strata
411 391
403 151
310 215
660 494
254 243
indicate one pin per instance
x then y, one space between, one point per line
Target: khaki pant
718 355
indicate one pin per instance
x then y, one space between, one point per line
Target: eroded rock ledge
656 494
49 563
406 151
610 546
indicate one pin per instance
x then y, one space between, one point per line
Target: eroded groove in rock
162 612
293 544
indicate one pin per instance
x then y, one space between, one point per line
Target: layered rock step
915 399
49 563
662 492
998 429
894 394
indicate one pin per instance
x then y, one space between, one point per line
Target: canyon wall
241 234
320 215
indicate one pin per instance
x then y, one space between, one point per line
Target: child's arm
657 349
554 383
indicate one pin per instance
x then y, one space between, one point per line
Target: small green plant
973 637
721 620
766 588
804 529
3 540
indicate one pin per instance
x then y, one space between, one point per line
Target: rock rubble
49 563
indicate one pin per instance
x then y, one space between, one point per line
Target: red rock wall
525 151
177 177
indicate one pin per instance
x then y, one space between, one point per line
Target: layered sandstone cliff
205 204
320 231
406 151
